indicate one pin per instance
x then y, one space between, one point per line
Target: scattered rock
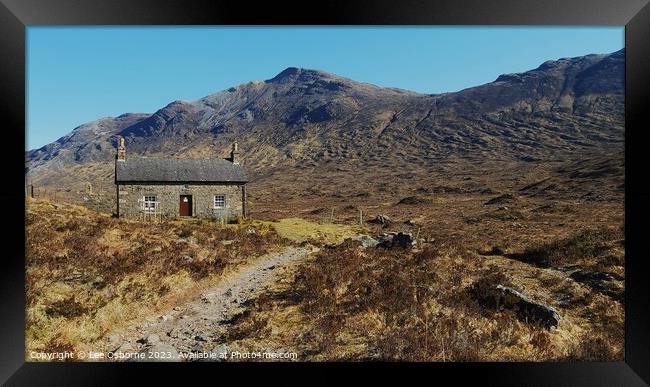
366 241
396 239
149 339
526 309
227 242
166 317
152 339
123 350
381 219
410 222
221 348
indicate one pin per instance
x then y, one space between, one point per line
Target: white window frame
222 201
149 203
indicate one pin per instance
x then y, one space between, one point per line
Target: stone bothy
160 188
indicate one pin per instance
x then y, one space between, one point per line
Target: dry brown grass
89 273
580 249
351 303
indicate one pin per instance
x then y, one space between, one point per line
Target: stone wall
131 195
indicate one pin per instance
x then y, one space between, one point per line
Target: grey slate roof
178 171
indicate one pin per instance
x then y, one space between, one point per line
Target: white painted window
149 203
219 201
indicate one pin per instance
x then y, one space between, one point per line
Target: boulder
396 239
152 339
114 338
366 241
526 309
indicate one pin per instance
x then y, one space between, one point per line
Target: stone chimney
234 154
121 150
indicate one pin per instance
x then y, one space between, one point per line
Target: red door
186 205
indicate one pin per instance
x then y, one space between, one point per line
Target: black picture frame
16 15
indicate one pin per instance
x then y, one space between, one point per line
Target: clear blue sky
79 74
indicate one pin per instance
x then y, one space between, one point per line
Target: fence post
360 217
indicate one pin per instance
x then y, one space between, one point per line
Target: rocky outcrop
366 241
526 309
396 240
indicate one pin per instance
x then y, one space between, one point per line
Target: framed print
394 188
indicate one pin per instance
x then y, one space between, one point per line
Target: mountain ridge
304 118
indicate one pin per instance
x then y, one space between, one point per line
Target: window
219 201
149 203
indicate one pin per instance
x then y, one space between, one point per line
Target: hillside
125 287
307 123
510 193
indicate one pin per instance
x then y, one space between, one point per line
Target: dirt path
198 326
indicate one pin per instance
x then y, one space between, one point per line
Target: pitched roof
178 171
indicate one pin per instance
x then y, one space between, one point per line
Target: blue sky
79 74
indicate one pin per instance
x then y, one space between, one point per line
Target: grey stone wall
169 198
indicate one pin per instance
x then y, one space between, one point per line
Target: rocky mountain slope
311 122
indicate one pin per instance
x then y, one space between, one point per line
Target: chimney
121 150
234 154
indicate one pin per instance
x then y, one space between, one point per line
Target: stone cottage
155 188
